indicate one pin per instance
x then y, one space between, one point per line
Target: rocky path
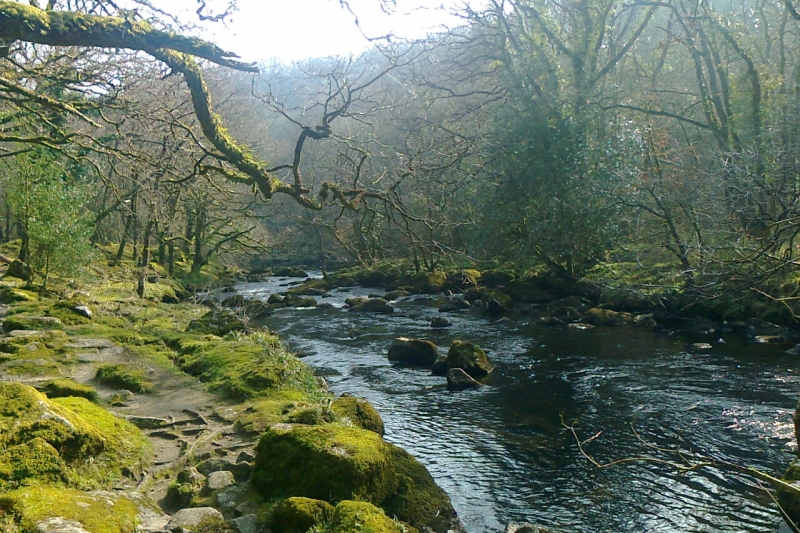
186 425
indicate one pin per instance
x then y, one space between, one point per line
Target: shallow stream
502 453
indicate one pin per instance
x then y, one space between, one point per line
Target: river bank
124 414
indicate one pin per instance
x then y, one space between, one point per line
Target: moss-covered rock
323 462
428 282
362 517
295 300
465 278
10 295
360 412
374 305
189 483
124 376
289 272
31 460
413 352
63 387
496 278
335 463
95 445
95 512
217 322
20 270
298 515
311 287
32 323
470 358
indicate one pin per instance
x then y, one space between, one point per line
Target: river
502 453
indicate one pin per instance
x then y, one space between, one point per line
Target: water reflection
502 453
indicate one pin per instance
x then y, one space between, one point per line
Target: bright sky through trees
291 30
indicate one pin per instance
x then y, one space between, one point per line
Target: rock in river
413 352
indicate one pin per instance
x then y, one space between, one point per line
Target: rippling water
502 453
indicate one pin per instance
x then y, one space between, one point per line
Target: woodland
647 145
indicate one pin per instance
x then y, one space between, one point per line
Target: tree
49 204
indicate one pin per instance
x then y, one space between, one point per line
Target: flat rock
59 525
83 343
219 480
245 524
190 517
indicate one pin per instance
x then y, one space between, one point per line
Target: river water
502 453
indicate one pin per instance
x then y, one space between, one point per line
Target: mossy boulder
298 515
20 270
38 508
323 462
311 287
35 459
289 272
10 295
295 300
362 517
419 501
496 278
470 358
31 323
465 278
335 463
374 305
360 412
218 322
428 282
64 387
413 352
94 444
597 316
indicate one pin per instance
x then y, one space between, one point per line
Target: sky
292 30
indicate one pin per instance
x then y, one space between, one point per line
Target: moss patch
95 445
360 412
98 513
298 515
362 517
63 387
35 459
323 462
124 376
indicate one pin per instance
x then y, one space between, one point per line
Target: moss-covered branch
21 22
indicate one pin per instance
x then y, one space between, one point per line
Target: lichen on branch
21 22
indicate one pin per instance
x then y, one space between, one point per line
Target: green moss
311 287
98 513
35 323
10 295
35 368
246 366
298 515
418 499
360 412
76 429
362 517
470 358
428 282
61 387
213 524
34 459
125 446
260 414
323 462
124 376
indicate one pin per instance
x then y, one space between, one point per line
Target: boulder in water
413 352
470 358
457 380
374 305
440 322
